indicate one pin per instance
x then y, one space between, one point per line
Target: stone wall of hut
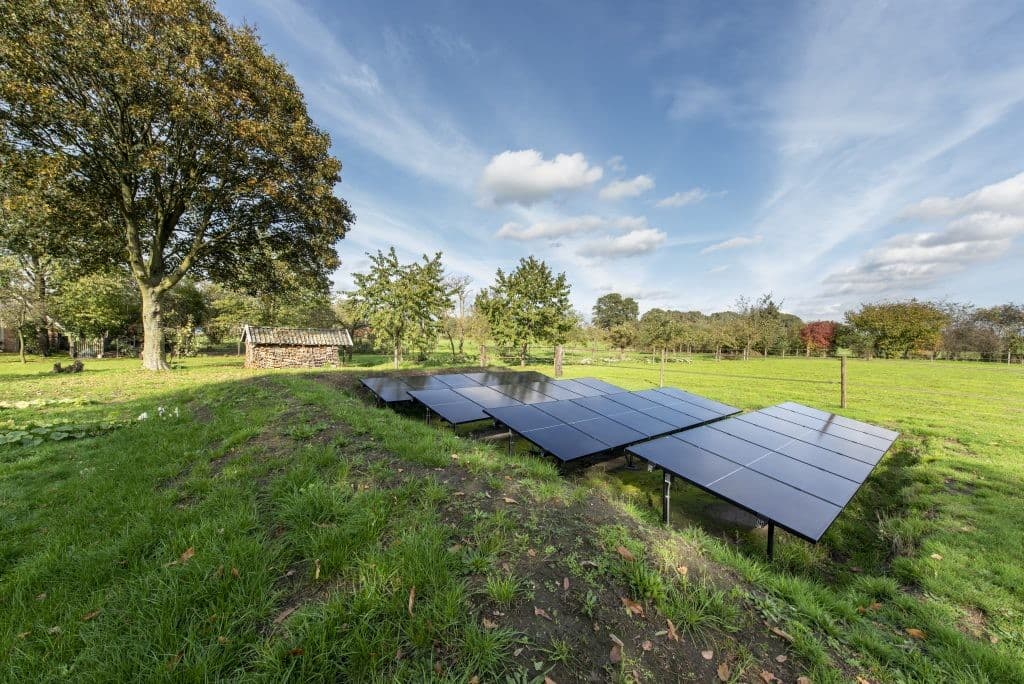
287 356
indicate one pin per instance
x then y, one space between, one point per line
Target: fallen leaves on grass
724 672
803 680
22 635
672 633
222 640
316 573
632 607
707 655
993 639
916 633
283 615
184 558
626 553
549 680
936 556
615 656
872 607
540 612
412 600
768 677
54 630
781 658
531 553
489 624
682 570
647 645
296 652
41 597
782 633
565 584
90 615
862 680
510 500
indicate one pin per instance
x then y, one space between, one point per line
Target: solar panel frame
790 479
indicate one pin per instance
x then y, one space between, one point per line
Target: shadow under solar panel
797 470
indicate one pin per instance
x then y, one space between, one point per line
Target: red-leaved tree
818 335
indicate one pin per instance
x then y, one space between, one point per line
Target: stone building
293 347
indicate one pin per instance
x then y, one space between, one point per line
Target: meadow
215 522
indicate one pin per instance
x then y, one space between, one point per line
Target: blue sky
680 153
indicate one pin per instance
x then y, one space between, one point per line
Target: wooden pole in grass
661 380
558 361
842 381
483 356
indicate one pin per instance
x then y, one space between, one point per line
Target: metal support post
666 493
771 540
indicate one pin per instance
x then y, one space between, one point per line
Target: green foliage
97 304
530 304
613 309
900 327
402 303
623 335
193 152
658 329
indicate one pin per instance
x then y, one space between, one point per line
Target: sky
684 154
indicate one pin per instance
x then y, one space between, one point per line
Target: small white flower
143 416
160 411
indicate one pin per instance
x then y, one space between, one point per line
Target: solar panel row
469 404
575 428
789 464
391 389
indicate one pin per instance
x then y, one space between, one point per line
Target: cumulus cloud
525 177
633 243
681 199
732 243
622 189
1003 197
916 260
569 226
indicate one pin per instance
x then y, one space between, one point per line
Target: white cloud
719 269
732 243
568 226
1003 197
682 199
525 177
916 260
632 243
622 189
615 163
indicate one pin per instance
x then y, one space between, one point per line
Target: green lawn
273 526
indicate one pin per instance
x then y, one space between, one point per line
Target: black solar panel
395 388
789 464
590 425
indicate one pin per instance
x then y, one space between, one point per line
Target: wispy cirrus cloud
526 177
732 243
632 187
682 199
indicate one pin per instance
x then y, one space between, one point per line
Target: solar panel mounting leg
427 417
510 441
771 540
666 493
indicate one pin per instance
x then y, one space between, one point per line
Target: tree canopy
189 147
528 305
897 328
402 303
613 309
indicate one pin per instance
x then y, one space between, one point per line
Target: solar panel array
468 404
391 389
575 428
789 464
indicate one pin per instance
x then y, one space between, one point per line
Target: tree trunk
522 355
43 334
152 331
21 345
398 356
558 361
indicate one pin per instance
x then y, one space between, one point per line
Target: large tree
402 303
818 336
191 146
613 309
900 327
528 305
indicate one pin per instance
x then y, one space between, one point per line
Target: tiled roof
301 337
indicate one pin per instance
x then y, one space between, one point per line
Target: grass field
220 523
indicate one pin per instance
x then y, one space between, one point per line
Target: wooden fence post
842 381
558 361
483 356
661 380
